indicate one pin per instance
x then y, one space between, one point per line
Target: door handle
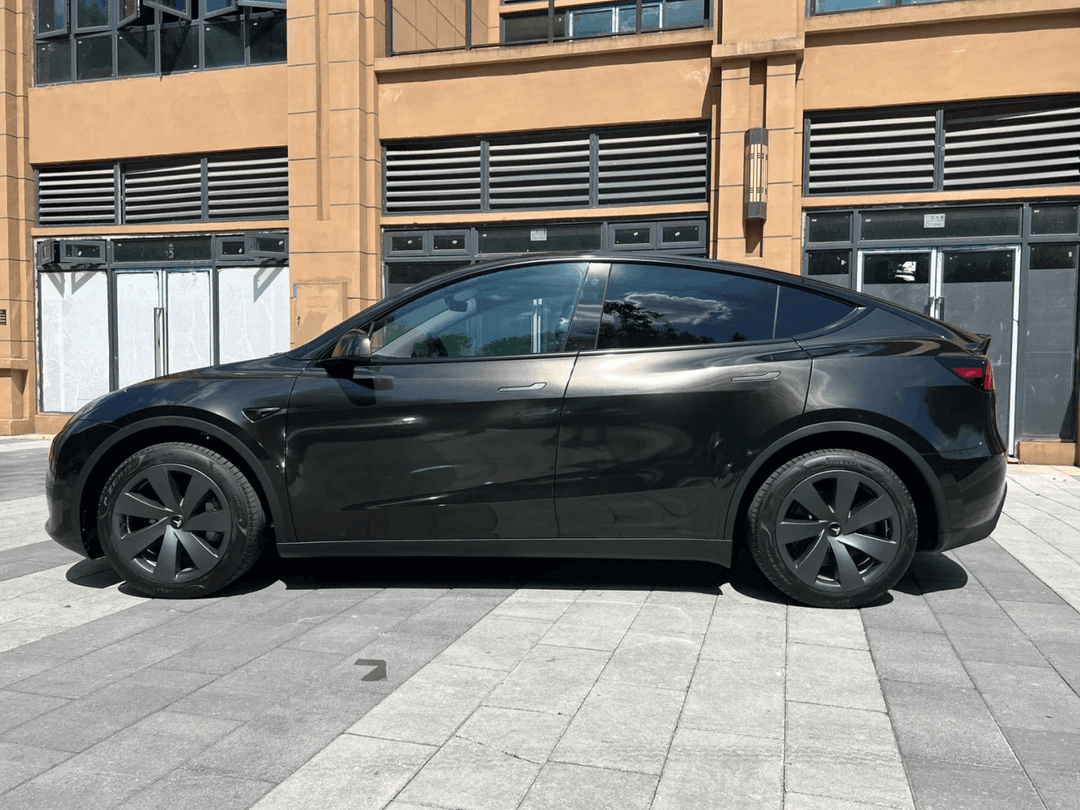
512 388
768 375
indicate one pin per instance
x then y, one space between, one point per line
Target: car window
653 305
524 310
799 311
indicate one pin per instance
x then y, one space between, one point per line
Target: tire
833 528
178 520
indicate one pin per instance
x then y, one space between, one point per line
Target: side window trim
585 324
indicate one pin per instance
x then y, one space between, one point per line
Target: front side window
522 311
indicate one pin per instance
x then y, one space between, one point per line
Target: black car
586 406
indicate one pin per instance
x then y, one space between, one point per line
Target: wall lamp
756 173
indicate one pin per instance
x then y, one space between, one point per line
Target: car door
694 372
450 433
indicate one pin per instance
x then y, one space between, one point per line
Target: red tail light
988 380
981 374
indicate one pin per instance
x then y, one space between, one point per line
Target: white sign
933 221
538 235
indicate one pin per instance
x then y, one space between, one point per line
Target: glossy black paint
634 453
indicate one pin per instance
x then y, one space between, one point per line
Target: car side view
594 406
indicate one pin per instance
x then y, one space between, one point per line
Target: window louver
159 192
436 179
247 188
77 195
1021 145
655 168
867 155
543 174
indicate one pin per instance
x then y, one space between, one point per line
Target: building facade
196 181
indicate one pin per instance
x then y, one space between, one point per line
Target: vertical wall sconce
756 173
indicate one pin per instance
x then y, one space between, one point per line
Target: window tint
525 310
652 306
799 311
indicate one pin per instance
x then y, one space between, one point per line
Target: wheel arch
159 430
930 503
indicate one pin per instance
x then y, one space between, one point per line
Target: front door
975 288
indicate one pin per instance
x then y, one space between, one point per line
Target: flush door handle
506 389
768 375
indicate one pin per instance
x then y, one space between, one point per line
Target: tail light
979 373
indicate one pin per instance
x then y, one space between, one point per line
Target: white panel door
138 326
189 325
74 339
253 312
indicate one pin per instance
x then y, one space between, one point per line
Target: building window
602 21
837 6
89 40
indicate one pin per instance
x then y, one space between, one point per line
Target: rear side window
799 311
650 306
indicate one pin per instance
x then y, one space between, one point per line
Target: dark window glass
828 227
224 43
267 36
896 268
650 18
941 223
524 310
593 22
51 16
833 266
651 306
233 247
1053 219
676 234
411 242
136 52
449 241
533 27
93 57
53 61
178 249
400 277
274 245
799 311
633 236
179 48
218 6
970 266
827 6
1053 257
181 7
91 13
684 13
539 239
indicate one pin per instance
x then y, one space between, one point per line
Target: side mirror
353 349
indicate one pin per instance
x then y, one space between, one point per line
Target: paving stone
1059 790
983 638
229 648
737 635
646 659
1065 658
405 654
834 676
950 786
184 788
592 625
550 679
916 657
527 735
737 698
76 642
622 727
228 702
1016 586
946 724
16 665
497 642
710 769
69 787
471 777
905 612
675 614
17 708
351 772
1041 622
21 763
1045 750
429 707
829 628
345 634
560 786
970 600
804 801
1027 697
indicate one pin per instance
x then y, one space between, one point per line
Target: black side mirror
353 349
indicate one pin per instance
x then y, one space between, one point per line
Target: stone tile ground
543 685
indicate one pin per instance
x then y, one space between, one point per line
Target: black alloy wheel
178 520
833 528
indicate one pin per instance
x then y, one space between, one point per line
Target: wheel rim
171 522
838 531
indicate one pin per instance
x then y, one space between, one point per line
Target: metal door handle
159 341
768 375
511 388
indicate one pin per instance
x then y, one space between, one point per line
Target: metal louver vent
77 195
655 167
158 192
240 187
437 179
866 155
1018 145
539 174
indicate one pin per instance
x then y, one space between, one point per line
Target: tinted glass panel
941 224
406 243
217 6
136 52
799 311
533 27
539 239
91 13
53 61
593 23
525 310
178 6
224 44
267 35
978 266
1053 219
179 48
183 248
51 16
400 277
680 13
676 234
826 6
651 306
831 266
828 227
93 58
896 268
633 236
449 241
1053 257
233 247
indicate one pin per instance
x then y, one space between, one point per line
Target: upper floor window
553 25
88 40
833 6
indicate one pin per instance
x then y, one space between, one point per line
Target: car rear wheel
833 528
178 520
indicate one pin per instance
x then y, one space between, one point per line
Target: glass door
901 277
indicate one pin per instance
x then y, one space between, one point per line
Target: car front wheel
833 528
179 520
